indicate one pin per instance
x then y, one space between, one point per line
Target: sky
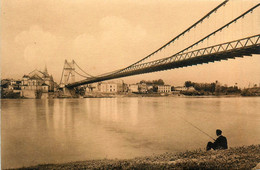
103 36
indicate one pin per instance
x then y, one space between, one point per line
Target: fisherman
220 142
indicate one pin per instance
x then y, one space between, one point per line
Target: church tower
45 71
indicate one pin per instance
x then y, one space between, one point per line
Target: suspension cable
81 74
109 73
213 33
76 71
181 34
62 72
83 70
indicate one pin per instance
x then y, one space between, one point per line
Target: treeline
212 88
10 95
254 91
153 82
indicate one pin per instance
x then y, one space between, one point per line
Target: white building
106 87
180 88
164 88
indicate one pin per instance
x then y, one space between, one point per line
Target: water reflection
108 109
53 131
133 110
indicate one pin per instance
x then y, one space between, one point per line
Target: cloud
110 45
117 28
39 46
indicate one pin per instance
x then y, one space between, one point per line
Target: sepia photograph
130 84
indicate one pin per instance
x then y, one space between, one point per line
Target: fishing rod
197 128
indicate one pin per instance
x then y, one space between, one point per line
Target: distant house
180 88
142 88
164 88
191 89
115 86
133 88
93 87
138 88
14 85
108 87
121 86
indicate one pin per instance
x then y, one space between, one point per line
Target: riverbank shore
120 95
244 157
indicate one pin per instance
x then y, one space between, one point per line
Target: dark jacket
221 142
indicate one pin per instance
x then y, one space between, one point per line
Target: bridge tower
68 73
68 76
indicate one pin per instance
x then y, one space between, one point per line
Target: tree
155 88
142 81
188 84
158 82
212 87
80 91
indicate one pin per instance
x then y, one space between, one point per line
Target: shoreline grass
243 157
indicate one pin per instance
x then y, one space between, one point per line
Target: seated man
220 142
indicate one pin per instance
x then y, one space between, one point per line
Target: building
15 85
36 83
116 86
164 88
108 87
138 88
93 87
142 87
191 89
121 86
133 88
180 88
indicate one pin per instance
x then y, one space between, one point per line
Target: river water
65 130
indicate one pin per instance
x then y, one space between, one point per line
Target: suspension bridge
197 52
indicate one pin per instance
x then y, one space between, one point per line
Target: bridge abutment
69 92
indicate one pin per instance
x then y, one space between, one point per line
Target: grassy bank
246 157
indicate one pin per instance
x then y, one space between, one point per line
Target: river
64 130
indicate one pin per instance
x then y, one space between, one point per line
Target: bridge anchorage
186 56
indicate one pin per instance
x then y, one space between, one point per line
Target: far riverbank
253 92
244 157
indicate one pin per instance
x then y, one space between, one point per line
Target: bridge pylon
68 76
68 73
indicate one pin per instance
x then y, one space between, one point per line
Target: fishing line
196 128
